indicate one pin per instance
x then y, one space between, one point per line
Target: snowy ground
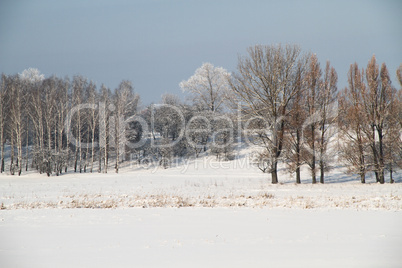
200 237
201 213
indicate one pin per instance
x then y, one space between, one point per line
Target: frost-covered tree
208 87
32 75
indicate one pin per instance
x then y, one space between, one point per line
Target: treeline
278 98
53 124
34 115
283 86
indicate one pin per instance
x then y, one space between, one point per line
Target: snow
199 213
199 237
203 182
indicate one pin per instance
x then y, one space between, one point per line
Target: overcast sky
157 44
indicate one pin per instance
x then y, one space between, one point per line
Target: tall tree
92 119
17 110
378 102
314 86
352 123
79 85
104 115
294 141
3 113
327 117
266 83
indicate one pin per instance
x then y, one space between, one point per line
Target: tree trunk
12 155
19 148
2 154
93 149
362 177
117 144
298 175
362 163
313 174
76 159
375 153
322 171
322 150
100 160
381 156
298 156
27 148
274 173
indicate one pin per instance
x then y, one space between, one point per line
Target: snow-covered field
201 213
200 237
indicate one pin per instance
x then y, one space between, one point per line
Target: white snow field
201 213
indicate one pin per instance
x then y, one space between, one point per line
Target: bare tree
327 117
50 92
208 87
37 116
399 75
126 105
17 113
79 84
198 131
378 102
30 79
294 124
3 112
63 106
266 82
393 139
314 86
104 114
92 119
352 123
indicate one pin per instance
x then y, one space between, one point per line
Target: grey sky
157 44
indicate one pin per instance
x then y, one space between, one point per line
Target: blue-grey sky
156 44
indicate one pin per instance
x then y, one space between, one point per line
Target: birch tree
3 110
79 84
92 118
104 115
